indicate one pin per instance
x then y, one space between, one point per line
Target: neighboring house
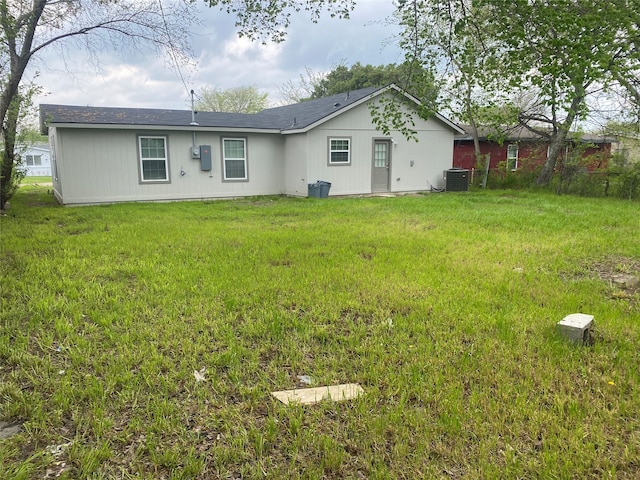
628 147
520 147
36 161
103 155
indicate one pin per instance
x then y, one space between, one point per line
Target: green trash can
314 190
324 188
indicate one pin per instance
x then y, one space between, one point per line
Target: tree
234 100
258 20
564 51
344 79
302 89
452 40
27 27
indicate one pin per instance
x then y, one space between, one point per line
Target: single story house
104 155
521 147
628 148
36 161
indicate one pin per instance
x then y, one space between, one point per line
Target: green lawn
35 180
442 307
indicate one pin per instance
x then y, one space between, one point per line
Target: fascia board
190 128
42 149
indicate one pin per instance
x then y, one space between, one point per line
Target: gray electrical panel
205 158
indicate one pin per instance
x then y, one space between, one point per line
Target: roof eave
188 128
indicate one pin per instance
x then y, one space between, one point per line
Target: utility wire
174 56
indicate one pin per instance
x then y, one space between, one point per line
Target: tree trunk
8 185
559 139
555 147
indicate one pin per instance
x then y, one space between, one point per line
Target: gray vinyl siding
431 155
102 166
100 163
295 172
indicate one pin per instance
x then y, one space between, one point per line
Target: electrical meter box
205 158
195 152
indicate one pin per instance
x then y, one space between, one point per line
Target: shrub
624 178
523 177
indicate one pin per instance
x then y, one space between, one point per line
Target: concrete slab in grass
576 327
8 430
308 396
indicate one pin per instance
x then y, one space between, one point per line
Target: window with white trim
154 161
512 156
34 160
339 151
234 158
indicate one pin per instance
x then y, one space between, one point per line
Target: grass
35 180
443 307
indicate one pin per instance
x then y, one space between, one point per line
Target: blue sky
140 79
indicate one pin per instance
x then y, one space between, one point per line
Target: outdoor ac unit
456 180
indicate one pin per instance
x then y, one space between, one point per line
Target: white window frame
165 159
333 150
509 158
245 159
33 159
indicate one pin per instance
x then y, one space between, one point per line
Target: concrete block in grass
576 328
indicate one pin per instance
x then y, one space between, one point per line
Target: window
34 160
339 151
512 156
153 159
234 158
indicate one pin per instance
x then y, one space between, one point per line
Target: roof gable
301 116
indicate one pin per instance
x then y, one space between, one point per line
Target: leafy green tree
564 50
27 27
344 79
234 100
558 51
452 39
268 20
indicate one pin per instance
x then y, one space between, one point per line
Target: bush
624 179
619 179
503 178
8 186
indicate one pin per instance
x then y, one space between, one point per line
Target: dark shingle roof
151 117
303 114
520 133
290 117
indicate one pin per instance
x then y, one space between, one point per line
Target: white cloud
223 60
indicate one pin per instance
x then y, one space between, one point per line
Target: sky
223 60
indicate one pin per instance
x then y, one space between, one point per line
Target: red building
521 148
